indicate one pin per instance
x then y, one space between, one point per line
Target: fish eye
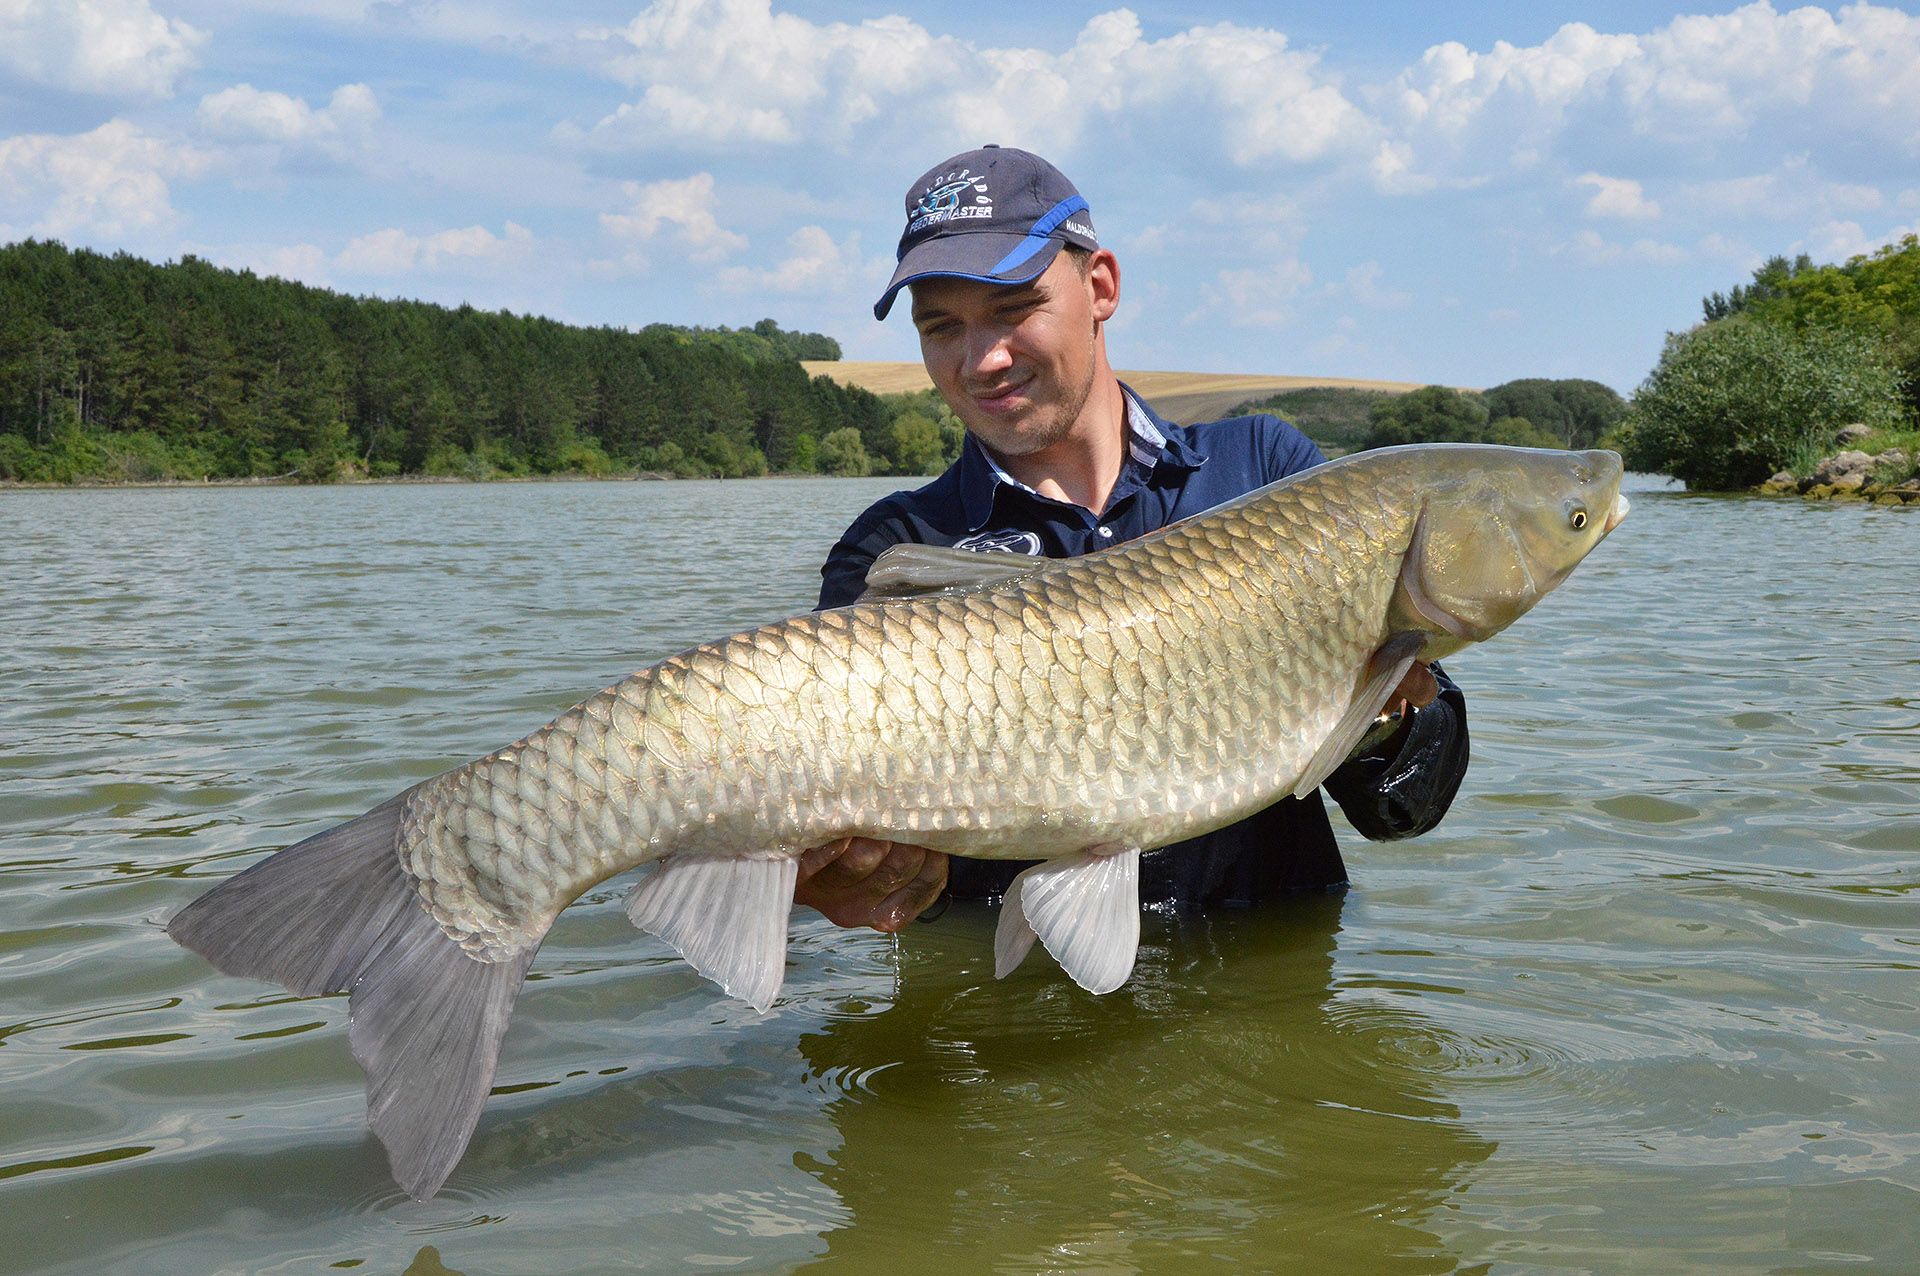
1578 519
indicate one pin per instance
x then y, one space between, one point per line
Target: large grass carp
1072 711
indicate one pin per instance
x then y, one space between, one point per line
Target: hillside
113 368
1179 396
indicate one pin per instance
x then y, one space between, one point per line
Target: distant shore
414 480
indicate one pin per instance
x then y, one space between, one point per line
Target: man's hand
1418 688
858 881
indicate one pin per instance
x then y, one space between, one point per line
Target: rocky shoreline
1887 476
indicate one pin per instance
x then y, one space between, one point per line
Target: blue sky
1451 193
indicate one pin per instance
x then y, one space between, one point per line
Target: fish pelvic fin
338 913
1084 907
1374 684
727 917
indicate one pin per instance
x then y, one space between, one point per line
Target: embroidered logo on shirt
1001 543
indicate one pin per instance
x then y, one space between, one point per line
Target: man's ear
1103 281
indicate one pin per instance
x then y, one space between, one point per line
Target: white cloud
1590 249
1792 190
686 204
395 252
1839 240
244 113
734 70
117 48
1256 296
1618 197
1362 285
1803 78
817 262
737 72
1392 169
111 181
302 263
1454 88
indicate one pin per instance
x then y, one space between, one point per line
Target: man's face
1017 363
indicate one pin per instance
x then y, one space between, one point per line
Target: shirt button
1106 531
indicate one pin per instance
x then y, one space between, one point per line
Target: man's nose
989 354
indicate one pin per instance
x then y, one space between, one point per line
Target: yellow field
1178 396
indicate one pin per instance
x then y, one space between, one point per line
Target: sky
1462 193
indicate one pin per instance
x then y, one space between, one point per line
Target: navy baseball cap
998 215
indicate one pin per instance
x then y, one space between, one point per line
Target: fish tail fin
338 913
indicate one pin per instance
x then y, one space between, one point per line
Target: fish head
1498 529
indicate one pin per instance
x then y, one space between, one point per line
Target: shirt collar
1151 439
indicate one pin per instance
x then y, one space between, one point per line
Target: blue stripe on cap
1037 237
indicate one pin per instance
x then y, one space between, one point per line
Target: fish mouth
1617 514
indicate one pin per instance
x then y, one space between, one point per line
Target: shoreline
416 480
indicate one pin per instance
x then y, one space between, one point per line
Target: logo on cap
940 202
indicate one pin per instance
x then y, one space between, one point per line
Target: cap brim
971 256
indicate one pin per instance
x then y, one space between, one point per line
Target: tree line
116 368
1530 412
1779 364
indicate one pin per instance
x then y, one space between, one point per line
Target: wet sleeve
1406 794
843 577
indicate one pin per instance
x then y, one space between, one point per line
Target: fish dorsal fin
1389 665
1084 907
727 917
908 570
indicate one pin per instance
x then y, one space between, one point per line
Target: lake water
1647 1000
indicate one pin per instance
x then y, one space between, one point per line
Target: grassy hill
1179 396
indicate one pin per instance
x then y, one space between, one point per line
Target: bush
1432 414
584 456
20 461
1332 416
1734 401
1573 413
842 453
916 444
137 457
1517 431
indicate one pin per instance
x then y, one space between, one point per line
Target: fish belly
1136 697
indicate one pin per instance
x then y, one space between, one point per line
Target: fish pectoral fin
909 570
727 917
1388 665
1084 907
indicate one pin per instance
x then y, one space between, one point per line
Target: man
1011 293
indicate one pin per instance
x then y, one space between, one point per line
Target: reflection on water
1221 1108
1646 1001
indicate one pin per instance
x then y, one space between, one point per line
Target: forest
113 368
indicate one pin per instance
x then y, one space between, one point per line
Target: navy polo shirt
1170 472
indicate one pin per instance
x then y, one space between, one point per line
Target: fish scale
1065 711
975 721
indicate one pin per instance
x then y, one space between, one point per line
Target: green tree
1571 413
916 445
1734 401
1432 414
222 372
842 452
